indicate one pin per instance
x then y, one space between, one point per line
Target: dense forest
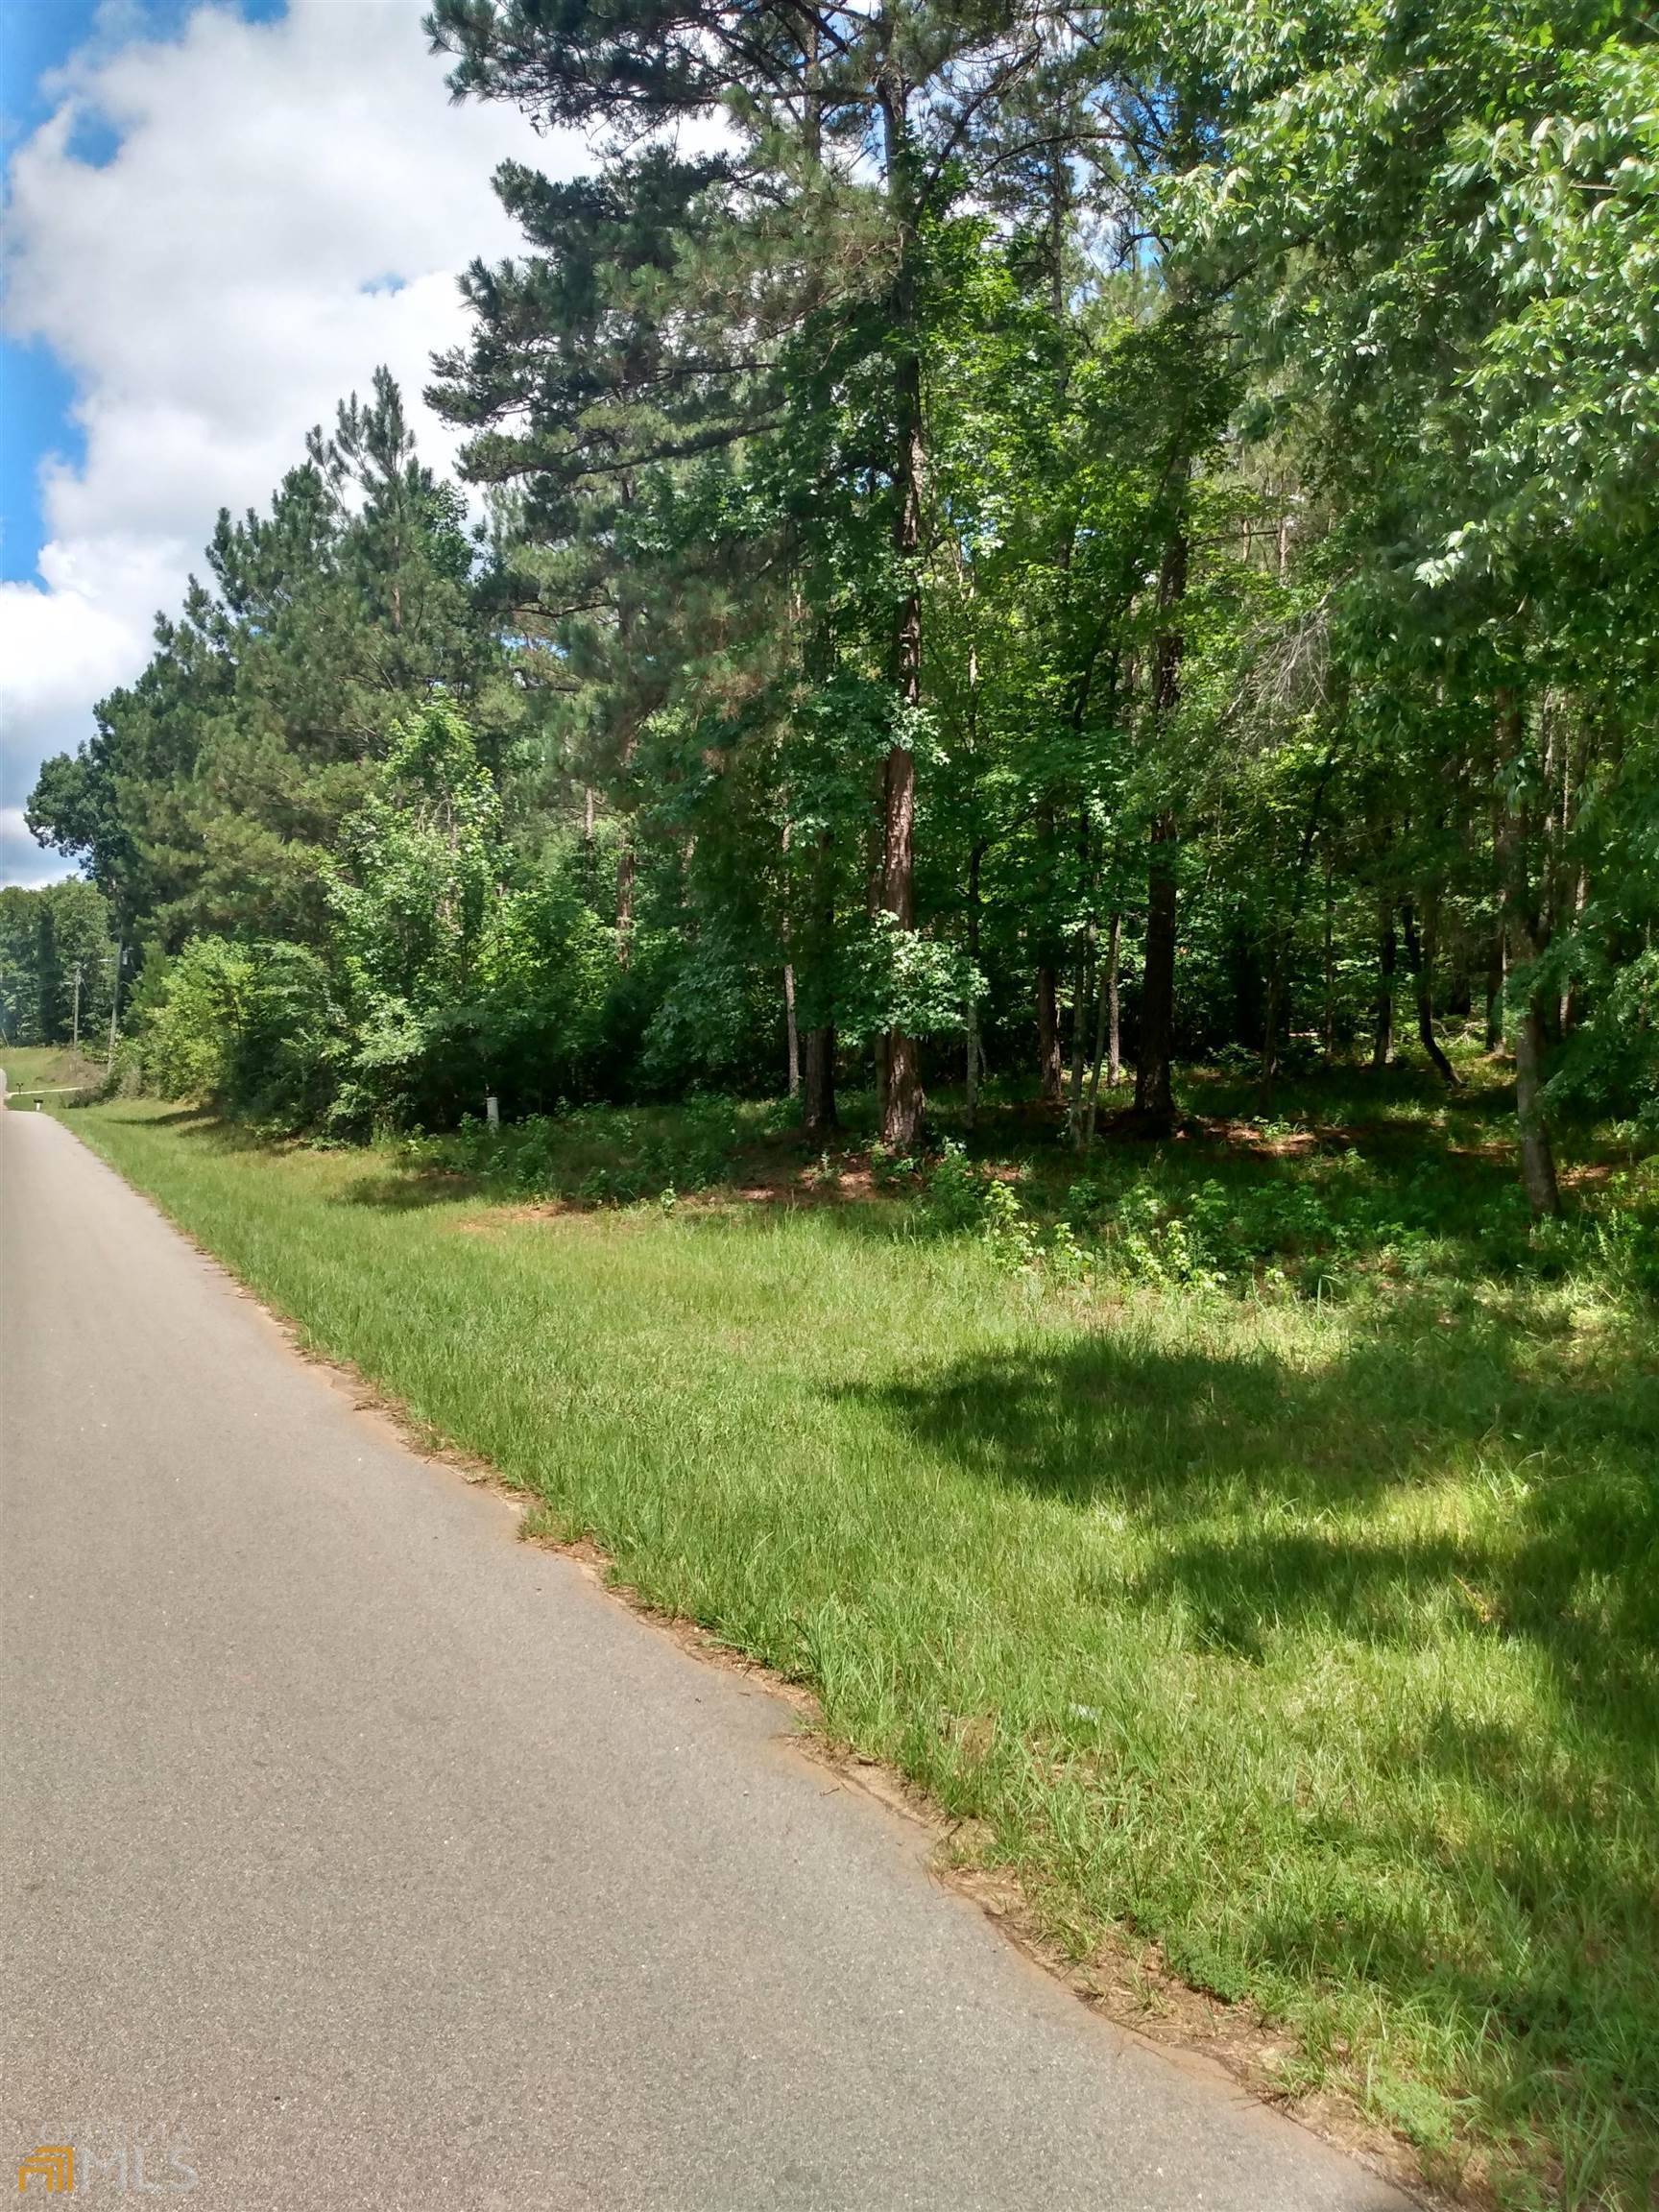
998 543
58 965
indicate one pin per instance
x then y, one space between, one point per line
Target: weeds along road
354 1854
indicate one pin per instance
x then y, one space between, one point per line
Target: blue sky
36 36
36 391
222 216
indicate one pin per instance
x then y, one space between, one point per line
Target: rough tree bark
1050 1061
819 1118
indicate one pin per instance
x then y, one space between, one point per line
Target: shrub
250 1028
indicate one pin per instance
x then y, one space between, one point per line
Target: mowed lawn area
33 1068
1256 1544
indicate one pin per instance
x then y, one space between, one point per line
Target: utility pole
75 1025
114 1003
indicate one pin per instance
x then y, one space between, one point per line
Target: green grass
1262 1545
33 1067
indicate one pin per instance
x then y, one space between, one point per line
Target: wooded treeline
57 964
1019 538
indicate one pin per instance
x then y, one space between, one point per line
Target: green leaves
420 865
891 977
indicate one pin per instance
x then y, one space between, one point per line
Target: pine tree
847 149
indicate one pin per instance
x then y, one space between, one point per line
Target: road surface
354 1854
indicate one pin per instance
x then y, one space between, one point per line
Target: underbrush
1421 1194
601 1155
1324 1229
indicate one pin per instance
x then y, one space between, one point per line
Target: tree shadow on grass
199 1121
1520 1808
396 1194
1259 1487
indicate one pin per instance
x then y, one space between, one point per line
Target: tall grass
1294 1607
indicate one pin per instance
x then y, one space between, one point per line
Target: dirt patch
1291 1145
1588 1175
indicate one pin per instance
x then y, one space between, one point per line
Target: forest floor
1252 1542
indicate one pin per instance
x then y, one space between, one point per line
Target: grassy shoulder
33 1068
1254 1542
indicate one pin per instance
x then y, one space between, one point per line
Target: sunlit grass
31 1068
1312 1638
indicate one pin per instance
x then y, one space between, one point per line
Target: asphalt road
354 1854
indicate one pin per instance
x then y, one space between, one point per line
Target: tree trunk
1114 1009
1524 942
902 1062
1537 1154
1154 1089
1420 959
1329 1025
901 1113
1084 966
1051 1062
1383 1034
818 1115
1569 1012
1082 998
970 1099
902 1100
1105 999
625 864
625 897
815 948
1496 963
791 1026
1272 1016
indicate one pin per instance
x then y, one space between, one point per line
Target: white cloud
288 207
21 859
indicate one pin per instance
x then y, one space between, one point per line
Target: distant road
353 1853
